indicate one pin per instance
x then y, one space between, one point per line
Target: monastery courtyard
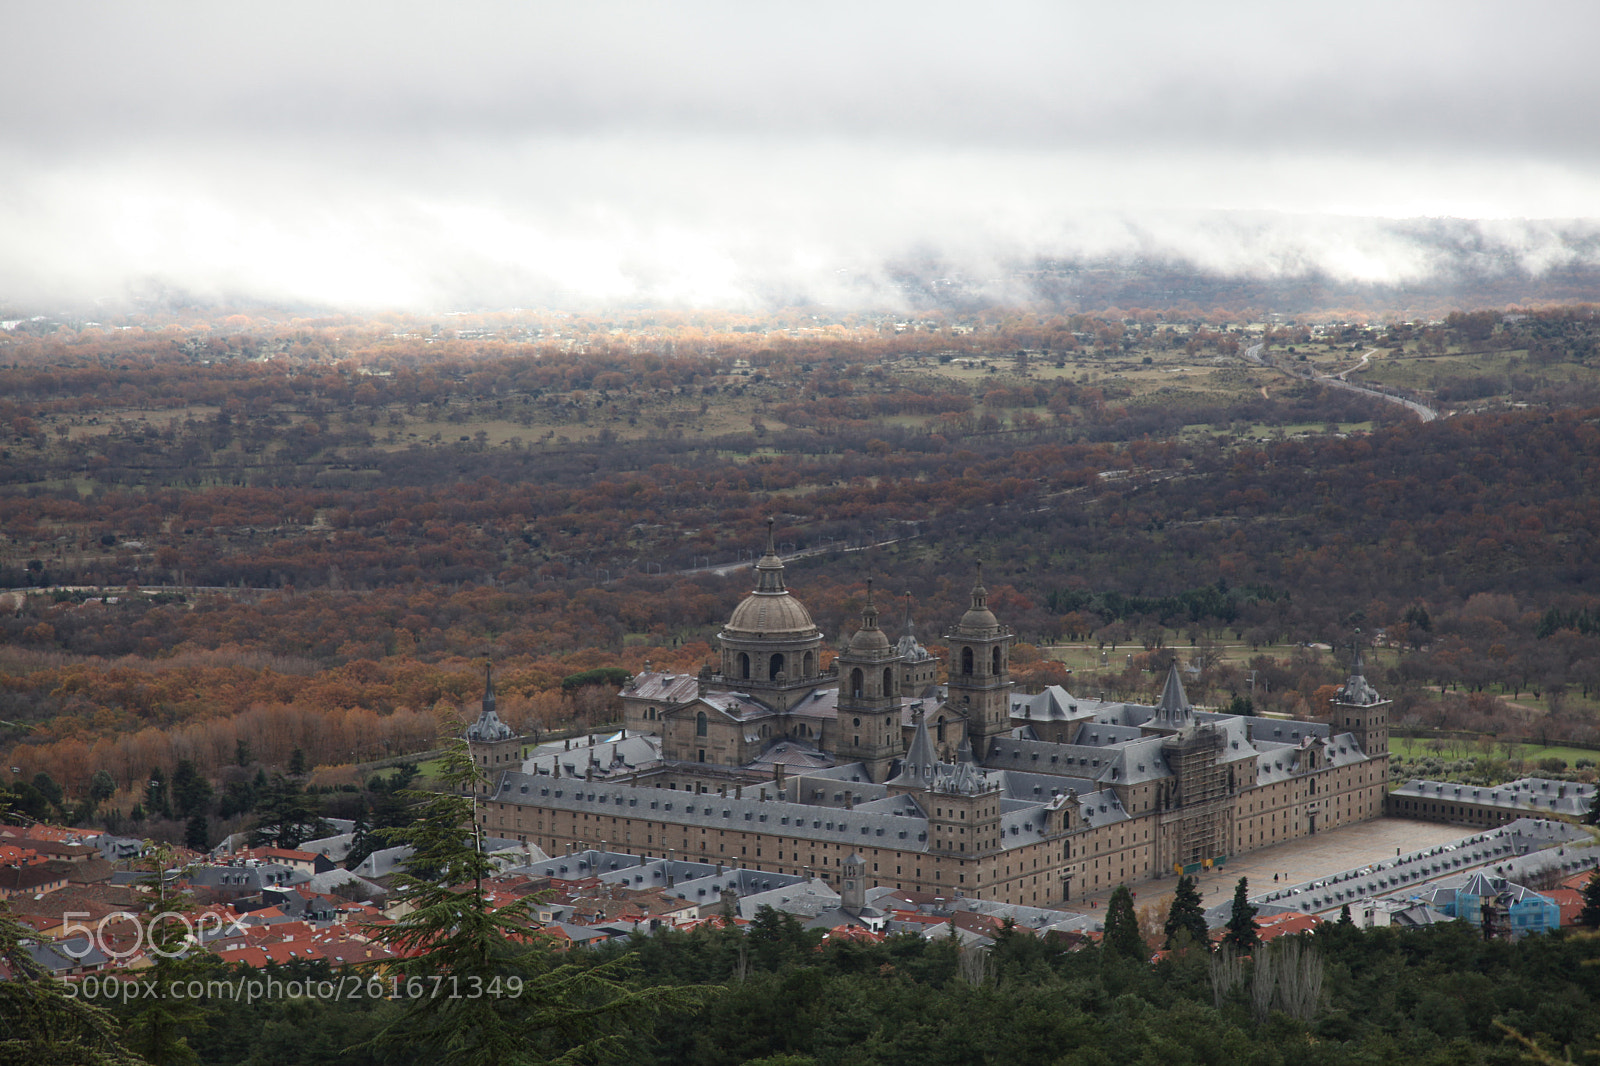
1295 862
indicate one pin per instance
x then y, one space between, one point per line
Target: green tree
40 1021
285 815
155 795
297 762
47 787
102 786
560 1010
1122 938
362 842
1592 815
1186 918
159 1027
197 833
1242 932
242 755
1589 917
191 792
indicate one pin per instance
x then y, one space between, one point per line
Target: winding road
1253 355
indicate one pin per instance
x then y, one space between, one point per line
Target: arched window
966 662
700 724
939 729
888 682
994 667
855 682
744 666
776 666
809 665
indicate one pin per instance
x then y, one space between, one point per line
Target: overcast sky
432 155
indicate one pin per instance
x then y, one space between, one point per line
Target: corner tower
869 699
980 672
493 744
770 647
1359 709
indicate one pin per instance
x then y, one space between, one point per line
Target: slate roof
1532 794
619 755
664 687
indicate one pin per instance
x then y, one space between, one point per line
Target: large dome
770 614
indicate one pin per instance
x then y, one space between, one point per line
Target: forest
230 539
774 993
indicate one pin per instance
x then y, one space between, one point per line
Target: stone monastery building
956 788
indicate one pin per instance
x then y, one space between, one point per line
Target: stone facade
775 765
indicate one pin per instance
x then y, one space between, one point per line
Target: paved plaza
1298 861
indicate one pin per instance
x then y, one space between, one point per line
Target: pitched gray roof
1173 710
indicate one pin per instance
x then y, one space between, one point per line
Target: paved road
1253 354
724 569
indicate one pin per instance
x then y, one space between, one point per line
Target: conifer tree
1187 916
1589 917
158 1030
1242 932
286 815
529 1007
40 1021
1122 937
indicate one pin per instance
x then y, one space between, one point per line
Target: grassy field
1412 748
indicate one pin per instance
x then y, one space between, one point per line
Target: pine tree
1345 920
159 1025
102 786
533 1007
286 815
362 842
1186 918
1590 915
1242 932
40 1021
1122 938
197 833
1592 816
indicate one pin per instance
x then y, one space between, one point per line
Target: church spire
980 595
769 571
869 612
1173 710
921 761
488 687
910 629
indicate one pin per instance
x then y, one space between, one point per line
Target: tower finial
488 685
980 595
869 611
771 548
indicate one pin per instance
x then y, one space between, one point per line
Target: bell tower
493 744
1358 709
980 672
869 699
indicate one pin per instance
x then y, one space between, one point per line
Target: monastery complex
875 772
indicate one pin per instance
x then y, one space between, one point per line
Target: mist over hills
1215 262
